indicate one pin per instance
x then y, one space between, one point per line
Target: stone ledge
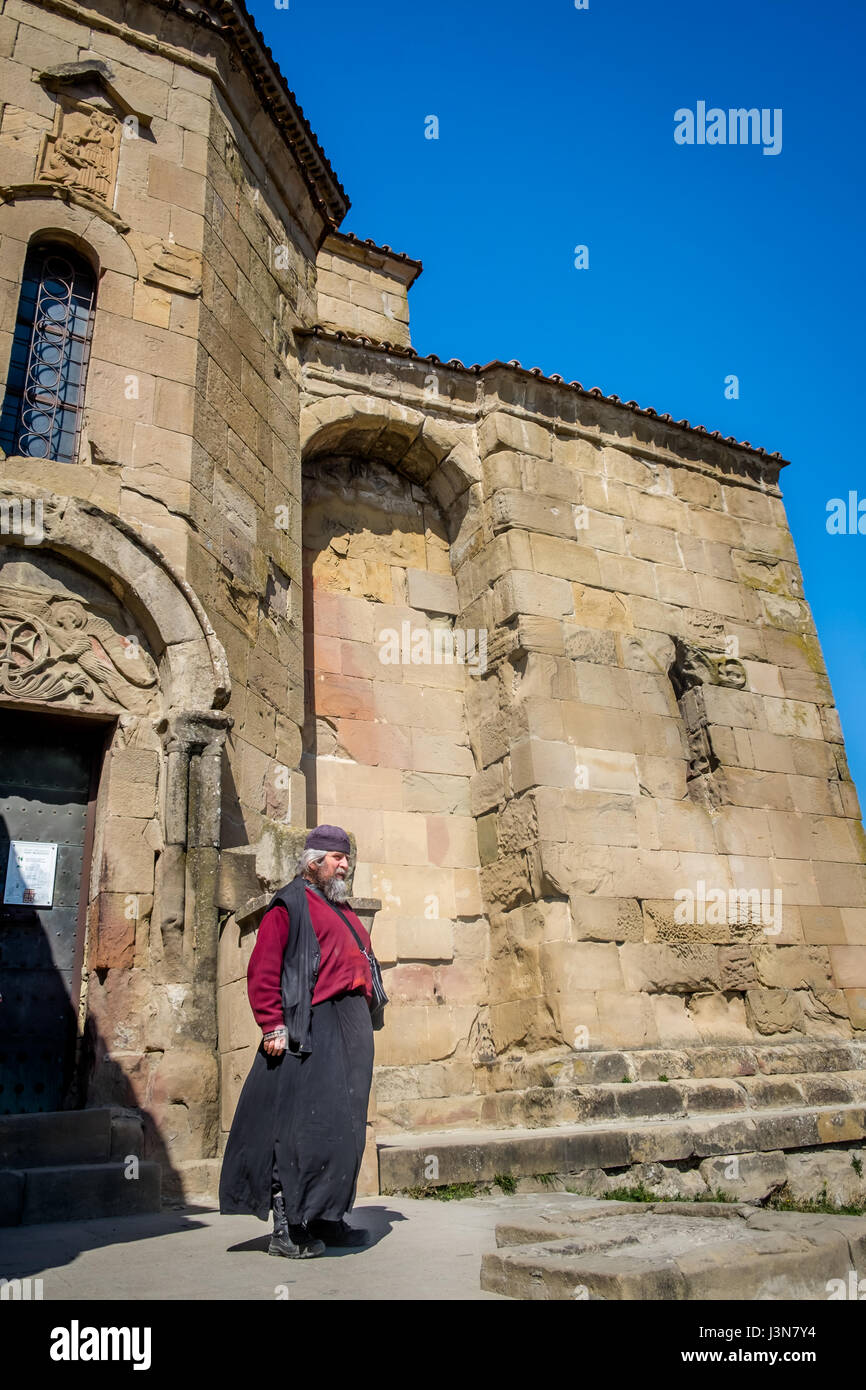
250 915
617 1250
78 1192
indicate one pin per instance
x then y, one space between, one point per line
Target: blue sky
556 129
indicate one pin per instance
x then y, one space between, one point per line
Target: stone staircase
75 1165
795 1112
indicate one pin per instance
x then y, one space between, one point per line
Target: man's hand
274 1043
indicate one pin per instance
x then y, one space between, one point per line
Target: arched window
50 349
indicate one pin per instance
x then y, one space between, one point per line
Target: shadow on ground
27 1250
378 1221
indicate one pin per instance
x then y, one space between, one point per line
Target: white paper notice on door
30 873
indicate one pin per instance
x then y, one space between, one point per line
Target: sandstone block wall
654 735
362 288
387 746
203 230
259 492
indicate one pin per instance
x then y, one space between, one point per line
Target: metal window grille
41 414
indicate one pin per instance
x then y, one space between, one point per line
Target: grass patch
545 1179
451 1192
662 1077
641 1193
506 1183
638 1193
781 1200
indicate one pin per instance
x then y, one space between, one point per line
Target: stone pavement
529 1246
422 1250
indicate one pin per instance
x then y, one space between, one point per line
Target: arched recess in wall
95 624
387 498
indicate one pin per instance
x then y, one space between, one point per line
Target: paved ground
420 1250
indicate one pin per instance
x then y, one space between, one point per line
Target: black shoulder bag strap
380 998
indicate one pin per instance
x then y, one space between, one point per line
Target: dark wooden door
48 769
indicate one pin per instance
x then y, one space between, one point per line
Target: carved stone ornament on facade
56 651
695 666
170 266
79 157
691 670
82 152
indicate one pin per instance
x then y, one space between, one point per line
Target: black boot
306 1243
281 1243
296 1244
339 1234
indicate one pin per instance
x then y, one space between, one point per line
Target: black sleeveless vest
301 960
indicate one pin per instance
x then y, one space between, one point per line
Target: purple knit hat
329 837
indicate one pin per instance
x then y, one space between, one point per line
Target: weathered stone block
569 966
523 592
435 593
660 969
848 964
502 431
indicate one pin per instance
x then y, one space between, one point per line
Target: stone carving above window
80 155
82 151
57 651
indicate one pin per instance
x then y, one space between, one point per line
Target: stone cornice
345 244
766 465
284 107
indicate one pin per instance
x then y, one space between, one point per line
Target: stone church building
545 654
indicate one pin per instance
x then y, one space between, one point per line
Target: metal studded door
47 777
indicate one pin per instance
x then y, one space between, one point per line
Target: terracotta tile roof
326 189
374 246
358 340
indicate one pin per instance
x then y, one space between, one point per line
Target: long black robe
306 1113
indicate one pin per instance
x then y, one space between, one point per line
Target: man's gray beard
335 889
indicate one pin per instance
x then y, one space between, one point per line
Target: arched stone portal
98 628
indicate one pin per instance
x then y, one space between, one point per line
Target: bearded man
299 1130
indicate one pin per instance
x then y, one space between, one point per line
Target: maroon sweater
342 967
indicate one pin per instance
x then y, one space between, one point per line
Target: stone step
553 1088
565 1103
680 1064
69 1136
674 1250
78 1192
650 1100
438 1158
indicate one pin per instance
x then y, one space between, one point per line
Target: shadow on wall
46 1063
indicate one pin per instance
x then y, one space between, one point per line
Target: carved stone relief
691 670
82 152
170 266
57 651
694 665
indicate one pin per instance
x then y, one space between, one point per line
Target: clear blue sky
556 129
